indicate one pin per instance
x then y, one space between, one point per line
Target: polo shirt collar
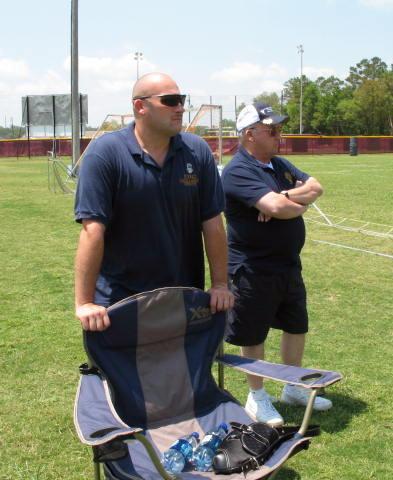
132 142
256 162
175 143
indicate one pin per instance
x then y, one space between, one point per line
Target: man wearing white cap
266 197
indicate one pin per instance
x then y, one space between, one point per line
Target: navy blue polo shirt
153 215
272 246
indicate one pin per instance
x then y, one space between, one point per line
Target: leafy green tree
292 104
326 119
111 125
226 122
360 105
12 132
271 99
200 130
370 99
311 98
348 116
366 70
387 81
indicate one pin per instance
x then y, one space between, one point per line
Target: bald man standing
148 198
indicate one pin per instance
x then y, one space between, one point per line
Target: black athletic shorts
263 301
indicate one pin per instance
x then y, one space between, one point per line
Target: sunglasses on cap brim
169 100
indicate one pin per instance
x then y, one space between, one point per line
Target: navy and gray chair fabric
148 381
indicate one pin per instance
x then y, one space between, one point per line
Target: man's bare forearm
88 262
278 206
216 250
87 266
306 193
217 254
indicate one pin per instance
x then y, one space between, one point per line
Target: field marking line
322 214
353 248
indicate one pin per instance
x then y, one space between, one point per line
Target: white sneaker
294 395
259 406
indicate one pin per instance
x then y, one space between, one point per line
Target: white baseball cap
258 112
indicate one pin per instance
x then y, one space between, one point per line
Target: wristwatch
285 192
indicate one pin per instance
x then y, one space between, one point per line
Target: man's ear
139 106
249 135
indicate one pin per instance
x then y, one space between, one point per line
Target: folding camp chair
149 382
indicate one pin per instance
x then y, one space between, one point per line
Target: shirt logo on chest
289 177
190 178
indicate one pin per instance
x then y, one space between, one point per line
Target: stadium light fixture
138 56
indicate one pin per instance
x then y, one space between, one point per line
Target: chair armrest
95 418
305 377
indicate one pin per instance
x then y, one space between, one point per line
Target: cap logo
267 110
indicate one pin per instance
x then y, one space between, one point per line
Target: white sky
210 47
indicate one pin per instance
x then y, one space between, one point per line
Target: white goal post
208 122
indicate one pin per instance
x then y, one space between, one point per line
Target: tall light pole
75 113
281 101
301 51
138 56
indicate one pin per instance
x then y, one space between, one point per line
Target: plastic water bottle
202 458
175 458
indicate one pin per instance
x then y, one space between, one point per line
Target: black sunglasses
273 130
169 100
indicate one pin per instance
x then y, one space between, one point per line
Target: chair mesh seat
150 373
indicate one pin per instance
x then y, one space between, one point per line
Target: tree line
362 104
11 132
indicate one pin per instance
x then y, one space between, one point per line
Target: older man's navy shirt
271 246
153 215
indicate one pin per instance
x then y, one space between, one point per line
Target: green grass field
350 303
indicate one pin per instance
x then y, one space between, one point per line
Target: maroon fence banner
38 147
290 144
313 145
319 145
